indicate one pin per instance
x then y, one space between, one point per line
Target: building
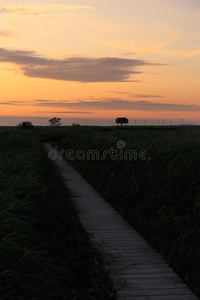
121 121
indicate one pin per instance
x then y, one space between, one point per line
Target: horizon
99 59
43 121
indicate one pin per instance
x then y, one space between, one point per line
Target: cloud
44 10
131 45
23 57
126 53
87 69
108 103
137 95
64 112
116 92
6 103
146 96
90 105
192 53
156 106
12 103
81 69
6 33
138 47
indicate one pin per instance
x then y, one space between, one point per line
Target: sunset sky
100 59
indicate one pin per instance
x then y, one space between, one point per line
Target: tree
25 125
55 122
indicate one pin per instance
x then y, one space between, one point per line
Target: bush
25 125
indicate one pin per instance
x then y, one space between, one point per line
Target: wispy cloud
4 33
108 103
126 53
12 103
146 96
191 53
81 69
131 45
90 105
158 48
116 92
64 112
45 10
136 95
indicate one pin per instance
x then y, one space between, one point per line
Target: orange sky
100 59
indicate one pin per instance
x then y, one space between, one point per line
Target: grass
45 253
160 195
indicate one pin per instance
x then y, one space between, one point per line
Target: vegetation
55 122
158 192
45 253
25 125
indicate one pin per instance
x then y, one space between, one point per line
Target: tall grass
159 196
44 251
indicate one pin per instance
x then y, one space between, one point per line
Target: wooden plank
157 292
157 297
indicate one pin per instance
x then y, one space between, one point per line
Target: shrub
25 125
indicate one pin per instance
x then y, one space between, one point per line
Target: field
44 251
151 175
157 190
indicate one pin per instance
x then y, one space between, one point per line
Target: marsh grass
44 251
159 196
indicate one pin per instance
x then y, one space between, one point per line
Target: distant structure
121 121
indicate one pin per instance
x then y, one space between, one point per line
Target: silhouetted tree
25 125
55 122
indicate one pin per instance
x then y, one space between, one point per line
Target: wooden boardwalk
144 274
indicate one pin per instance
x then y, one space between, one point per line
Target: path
146 274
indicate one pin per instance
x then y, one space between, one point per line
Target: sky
100 59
